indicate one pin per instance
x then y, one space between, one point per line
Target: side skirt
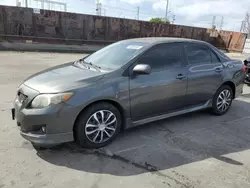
131 124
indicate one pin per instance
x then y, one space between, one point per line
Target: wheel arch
113 102
232 85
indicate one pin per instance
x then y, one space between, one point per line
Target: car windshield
115 55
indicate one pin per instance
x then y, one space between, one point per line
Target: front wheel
98 125
222 100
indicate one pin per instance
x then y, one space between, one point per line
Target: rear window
220 54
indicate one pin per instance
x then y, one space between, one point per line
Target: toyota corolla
123 85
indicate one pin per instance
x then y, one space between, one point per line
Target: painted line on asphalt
129 149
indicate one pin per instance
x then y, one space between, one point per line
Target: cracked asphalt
192 150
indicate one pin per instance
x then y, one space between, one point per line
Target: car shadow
164 144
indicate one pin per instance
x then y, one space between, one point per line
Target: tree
159 20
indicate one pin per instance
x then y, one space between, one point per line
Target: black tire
215 108
80 125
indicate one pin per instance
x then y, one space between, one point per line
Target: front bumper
57 123
47 126
48 139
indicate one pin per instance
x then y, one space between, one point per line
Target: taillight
244 68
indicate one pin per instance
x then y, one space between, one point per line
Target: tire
218 102
92 122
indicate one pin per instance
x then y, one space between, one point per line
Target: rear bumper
239 90
48 139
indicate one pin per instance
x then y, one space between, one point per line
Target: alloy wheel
224 100
101 126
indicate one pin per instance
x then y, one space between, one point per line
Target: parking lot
192 150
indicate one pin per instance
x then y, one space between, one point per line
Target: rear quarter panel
234 73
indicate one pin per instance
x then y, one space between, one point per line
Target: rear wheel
222 100
98 125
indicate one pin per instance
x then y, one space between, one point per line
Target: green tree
159 20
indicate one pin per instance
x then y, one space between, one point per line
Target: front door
204 73
164 89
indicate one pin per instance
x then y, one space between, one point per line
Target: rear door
163 90
204 73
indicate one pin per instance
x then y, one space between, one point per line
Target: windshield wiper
89 63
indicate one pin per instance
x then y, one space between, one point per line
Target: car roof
157 40
151 41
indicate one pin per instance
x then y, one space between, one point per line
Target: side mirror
142 69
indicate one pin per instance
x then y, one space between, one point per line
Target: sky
197 13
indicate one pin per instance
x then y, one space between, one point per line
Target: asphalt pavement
192 150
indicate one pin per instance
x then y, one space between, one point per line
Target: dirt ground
192 150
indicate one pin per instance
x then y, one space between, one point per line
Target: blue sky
187 12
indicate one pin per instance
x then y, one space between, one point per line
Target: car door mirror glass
142 69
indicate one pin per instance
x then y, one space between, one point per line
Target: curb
39 47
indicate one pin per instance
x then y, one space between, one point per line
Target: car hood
62 78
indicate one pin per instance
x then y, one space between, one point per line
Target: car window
197 54
163 56
214 58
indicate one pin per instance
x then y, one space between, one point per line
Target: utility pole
173 19
213 22
42 4
98 8
167 10
242 27
222 22
26 3
18 3
138 13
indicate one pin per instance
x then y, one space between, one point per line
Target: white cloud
211 8
195 8
200 12
160 5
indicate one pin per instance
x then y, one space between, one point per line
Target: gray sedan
123 85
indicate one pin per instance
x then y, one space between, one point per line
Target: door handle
180 76
218 69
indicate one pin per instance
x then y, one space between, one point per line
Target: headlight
45 100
